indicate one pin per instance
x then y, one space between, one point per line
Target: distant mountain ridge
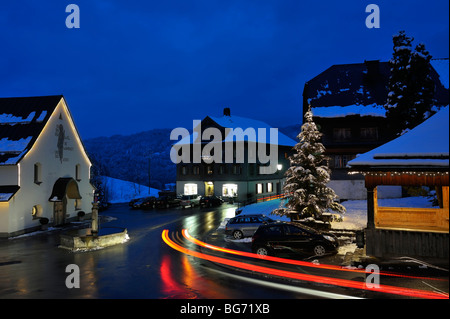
132 157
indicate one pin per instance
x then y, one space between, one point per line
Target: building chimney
226 111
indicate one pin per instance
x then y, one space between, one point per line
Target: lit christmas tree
307 177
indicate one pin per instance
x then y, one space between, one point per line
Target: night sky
138 65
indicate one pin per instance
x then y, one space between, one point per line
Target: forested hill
128 157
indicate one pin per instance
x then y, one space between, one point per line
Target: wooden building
417 158
347 102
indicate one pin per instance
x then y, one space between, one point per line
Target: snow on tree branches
307 177
410 99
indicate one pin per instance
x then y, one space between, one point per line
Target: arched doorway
63 189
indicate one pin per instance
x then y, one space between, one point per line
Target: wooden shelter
417 158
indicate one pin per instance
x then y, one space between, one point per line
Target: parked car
292 238
148 203
167 201
134 200
245 225
190 200
145 203
209 201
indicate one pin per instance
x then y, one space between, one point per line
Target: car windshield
306 228
267 219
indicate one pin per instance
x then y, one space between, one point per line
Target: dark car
144 203
167 201
148 203
209 201
292 238
245 225
134 200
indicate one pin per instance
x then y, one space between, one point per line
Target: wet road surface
146 267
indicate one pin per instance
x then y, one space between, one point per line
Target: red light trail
291 261
304 277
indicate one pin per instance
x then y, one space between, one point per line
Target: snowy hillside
119 191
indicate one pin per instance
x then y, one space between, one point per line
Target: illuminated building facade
239 180
44 168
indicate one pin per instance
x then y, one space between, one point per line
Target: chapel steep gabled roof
22 120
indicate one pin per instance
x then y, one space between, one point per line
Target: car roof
249 215
298 224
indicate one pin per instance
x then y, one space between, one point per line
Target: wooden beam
374 179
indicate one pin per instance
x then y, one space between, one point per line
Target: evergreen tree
308 176
399 98
423 87
411 89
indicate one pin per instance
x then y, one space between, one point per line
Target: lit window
229 190
259 188
190 189
269 187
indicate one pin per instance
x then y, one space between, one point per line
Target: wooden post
443 213
371 198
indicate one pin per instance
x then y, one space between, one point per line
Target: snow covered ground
119 191
354 218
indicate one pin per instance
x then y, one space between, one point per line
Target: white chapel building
44 168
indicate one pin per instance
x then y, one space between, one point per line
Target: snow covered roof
361 89
8 191
342 111
21 121
236 122
427 145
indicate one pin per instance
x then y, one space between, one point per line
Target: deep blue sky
137 65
